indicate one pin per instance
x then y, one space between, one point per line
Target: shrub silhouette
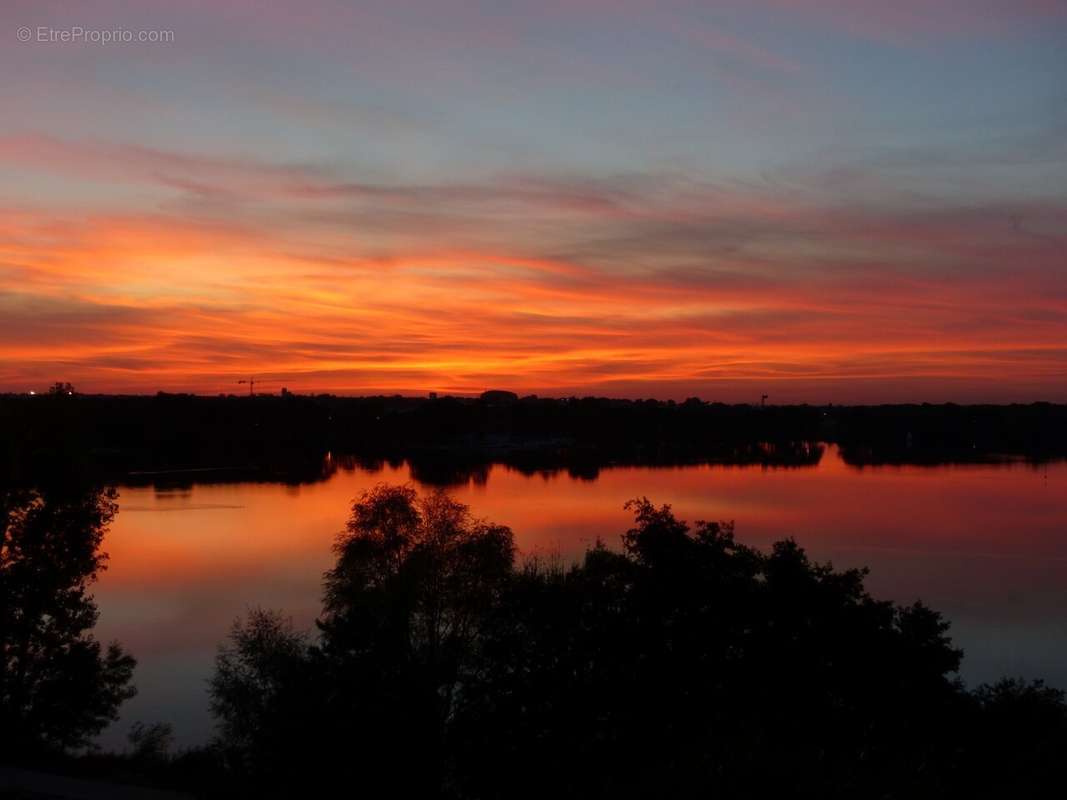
151 744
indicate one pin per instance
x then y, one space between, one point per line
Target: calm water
987 545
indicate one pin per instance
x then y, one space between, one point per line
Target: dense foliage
58 685
684 663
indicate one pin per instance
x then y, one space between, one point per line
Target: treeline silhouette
683 663
949 433
680 663
286 437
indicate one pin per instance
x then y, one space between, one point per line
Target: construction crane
252 381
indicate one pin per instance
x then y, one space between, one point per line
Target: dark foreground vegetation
449 440
680 664
58 685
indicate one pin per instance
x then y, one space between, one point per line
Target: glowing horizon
815 199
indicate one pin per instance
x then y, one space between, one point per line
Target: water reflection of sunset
984 544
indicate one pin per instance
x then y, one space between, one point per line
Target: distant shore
291 437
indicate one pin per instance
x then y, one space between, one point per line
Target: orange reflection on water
987 545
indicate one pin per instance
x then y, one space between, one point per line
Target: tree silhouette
414 578
255 694
63 388
413 583
58 686
151 744
683 663
690 661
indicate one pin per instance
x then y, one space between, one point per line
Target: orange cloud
640 285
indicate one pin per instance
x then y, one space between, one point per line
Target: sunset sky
821 200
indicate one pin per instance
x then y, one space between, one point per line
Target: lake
984 544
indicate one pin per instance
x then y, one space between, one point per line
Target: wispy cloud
613 197
621 284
